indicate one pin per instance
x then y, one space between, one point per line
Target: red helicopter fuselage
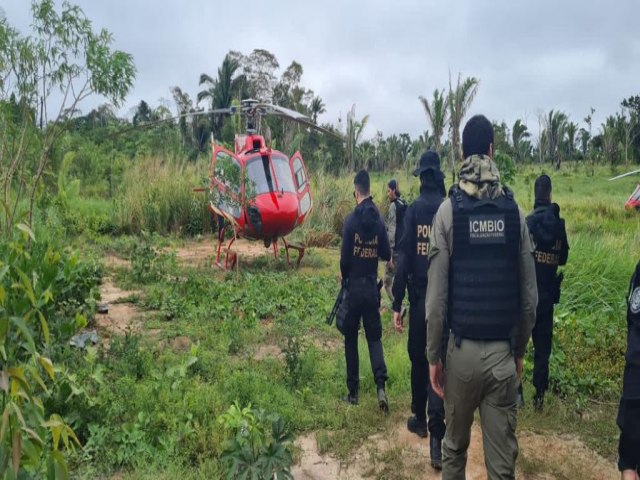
263 193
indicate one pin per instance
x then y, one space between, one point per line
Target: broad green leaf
45 326
61 470
36 376
5 422
4 380
26 334
28 288
4 327
56 425
48 366
27 231
16 449
81 321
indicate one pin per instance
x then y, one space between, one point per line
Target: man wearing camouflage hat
482 277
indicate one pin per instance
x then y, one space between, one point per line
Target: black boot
538 401
351 398
419 427
383 401
436 453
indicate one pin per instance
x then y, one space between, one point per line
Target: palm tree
519 134
221 91
316 108
354 132
459 100
555 129
437 113
571 131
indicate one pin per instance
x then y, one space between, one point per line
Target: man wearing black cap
364 240
629 411
552 250
411 274
393 224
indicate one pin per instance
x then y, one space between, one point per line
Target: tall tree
316 108
459 100
437 112
556 123
519 135
354 133
260 67
63 54
221 91
571 132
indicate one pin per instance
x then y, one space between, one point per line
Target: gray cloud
529 56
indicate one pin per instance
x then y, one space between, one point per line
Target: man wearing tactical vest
629 411
552 250
411 274
393 223
482 281
364 241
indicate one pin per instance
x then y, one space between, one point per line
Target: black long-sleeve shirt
408 264
364 241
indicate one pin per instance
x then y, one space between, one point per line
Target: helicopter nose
277 212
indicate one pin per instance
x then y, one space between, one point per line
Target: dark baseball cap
429 161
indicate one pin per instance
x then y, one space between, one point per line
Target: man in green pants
482 283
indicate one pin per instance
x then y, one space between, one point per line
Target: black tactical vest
423 212
631 378
401 208
484 296
547 253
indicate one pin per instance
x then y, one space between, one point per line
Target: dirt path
122 317
196 253
542 457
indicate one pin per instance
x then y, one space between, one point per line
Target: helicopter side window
227 171
283 174
257 177
301 178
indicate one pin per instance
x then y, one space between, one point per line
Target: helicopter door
301 179
226 184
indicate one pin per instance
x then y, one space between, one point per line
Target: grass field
152 403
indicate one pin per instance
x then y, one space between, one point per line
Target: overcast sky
530 56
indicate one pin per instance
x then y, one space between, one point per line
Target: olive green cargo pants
389 274
480 374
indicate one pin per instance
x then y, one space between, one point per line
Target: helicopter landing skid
230 256
293 246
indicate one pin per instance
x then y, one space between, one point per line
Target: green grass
229 317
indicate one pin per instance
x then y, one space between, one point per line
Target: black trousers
424 401
364 304
629 445
542 338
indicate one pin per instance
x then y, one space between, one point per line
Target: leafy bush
253 450
43 293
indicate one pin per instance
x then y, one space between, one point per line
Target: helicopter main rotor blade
296 117
625 175
154 123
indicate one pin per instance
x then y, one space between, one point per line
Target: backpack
401 209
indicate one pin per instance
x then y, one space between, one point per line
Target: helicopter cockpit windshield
260 178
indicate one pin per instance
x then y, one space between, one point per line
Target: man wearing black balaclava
411 274
552 250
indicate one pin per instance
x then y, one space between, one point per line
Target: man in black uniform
552 249
629 412
411 273
364 240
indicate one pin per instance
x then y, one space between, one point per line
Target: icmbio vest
484 297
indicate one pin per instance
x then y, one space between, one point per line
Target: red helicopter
633 202
257 191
